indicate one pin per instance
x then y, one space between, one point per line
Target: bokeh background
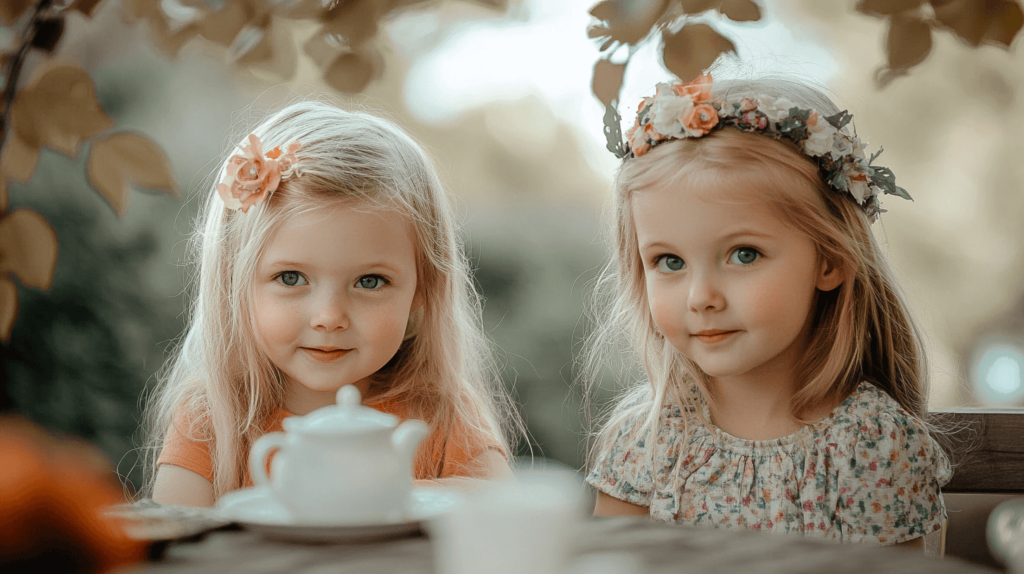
501 99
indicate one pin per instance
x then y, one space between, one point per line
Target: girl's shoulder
881 437
640 426
869 414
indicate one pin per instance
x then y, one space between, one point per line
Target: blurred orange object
52 497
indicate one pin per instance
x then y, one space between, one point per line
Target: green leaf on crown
840 119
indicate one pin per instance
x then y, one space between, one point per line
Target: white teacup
341 465
527 524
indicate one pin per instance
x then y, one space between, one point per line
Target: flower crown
252 176
681 111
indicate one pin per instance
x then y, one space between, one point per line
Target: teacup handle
258 456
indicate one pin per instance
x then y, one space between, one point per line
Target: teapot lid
349 416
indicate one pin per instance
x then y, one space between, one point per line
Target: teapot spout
407 437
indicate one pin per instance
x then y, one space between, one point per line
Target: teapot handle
258 456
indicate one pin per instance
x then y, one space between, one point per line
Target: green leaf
613 131
875 155
840 119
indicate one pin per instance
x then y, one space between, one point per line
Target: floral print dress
867 472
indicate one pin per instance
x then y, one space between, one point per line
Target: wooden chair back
986 448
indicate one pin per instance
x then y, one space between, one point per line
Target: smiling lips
325 354
712 336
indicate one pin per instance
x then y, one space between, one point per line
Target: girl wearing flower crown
327 255
785 381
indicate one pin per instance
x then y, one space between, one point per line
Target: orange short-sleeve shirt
452 451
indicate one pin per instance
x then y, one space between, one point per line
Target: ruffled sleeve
623 466
889 486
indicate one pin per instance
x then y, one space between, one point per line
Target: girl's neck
301 400
761 408
753 409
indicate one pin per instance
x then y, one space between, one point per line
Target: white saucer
254 509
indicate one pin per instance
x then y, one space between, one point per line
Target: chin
724 368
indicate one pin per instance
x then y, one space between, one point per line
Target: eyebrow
729 237
746 232
655 244
381 265
374 265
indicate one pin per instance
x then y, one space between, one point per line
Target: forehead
707 203
344 233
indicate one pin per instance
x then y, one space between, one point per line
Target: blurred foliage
534 267
80 354
689 45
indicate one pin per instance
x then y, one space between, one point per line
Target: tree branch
14 66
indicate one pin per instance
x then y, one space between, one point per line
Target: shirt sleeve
622 467
890 488
186 447
461 449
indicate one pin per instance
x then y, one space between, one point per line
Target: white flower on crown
842 146
667 110
858 149
820 141
727 110
775 110
664 89
856 177
860 191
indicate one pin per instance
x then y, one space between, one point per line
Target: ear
830 275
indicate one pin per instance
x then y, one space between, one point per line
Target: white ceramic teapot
344 464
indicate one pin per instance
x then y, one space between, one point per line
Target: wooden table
660 548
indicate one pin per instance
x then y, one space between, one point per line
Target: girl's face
729 284
335 287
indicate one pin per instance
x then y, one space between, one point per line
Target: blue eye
744 255
292 278
670 263
372 282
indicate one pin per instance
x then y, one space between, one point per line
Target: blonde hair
863 330
218 378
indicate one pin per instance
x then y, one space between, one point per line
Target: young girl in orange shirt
327 255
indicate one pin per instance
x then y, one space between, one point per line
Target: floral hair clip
252 176
681 111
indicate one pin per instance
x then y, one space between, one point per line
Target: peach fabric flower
700 120
652 134
252 176
637 138
699 90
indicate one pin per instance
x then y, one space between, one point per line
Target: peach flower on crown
699 90
252 176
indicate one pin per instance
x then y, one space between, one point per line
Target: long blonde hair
862 330
218 378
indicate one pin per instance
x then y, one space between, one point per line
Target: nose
705 293
330 312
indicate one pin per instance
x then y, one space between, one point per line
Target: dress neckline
787 442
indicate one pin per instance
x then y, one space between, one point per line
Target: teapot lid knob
348 396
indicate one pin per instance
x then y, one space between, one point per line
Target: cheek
782 302
275 322
665 310
386 324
